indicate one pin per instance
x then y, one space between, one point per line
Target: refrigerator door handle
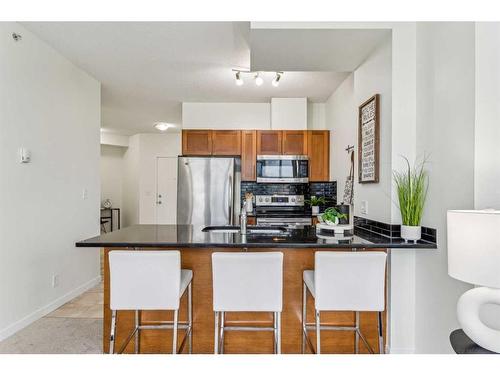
230 200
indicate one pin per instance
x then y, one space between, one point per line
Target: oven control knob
293 199
260 199
268 199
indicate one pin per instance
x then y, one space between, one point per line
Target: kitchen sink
251 229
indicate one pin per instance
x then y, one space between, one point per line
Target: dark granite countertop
183 236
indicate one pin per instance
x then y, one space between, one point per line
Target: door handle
159 202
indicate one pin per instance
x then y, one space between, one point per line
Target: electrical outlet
364 207
55 281
85 193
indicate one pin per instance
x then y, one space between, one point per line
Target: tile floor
75 327
87 305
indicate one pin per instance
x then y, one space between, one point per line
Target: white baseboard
41 312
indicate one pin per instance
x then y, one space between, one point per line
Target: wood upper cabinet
318 147
269 142
294 142
248 155
226 142
196 142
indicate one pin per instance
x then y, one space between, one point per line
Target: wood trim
377 139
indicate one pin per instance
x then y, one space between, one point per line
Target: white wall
51 107
289 113
445 132
139 183
487 131
316 116
341 113
226 115
130 188
111 166
112 139
487 124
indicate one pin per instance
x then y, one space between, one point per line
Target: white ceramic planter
250 205
315 210
411 233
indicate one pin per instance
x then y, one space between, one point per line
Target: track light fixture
259 81
239 81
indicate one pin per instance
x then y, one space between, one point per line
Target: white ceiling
147 69
339 50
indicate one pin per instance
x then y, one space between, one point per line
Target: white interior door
166 192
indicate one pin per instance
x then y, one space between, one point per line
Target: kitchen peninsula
196 246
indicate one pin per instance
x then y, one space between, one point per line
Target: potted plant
332 217
412 185
315 202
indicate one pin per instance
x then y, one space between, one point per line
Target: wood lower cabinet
248 155
318 150
294 142
269 142
226 142
196 142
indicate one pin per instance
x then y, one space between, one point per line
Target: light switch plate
364 207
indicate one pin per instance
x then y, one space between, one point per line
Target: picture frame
369 140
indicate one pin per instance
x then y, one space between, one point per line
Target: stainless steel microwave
283 168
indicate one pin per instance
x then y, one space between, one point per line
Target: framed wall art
369 140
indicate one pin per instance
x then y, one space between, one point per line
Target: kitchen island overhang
196 249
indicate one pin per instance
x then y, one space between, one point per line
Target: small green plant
412 185
331 214
316 201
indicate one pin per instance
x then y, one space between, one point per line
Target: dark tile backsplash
326 189
391 230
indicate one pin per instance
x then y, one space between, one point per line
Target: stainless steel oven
282 210
283 168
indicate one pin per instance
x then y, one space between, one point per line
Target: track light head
239 81
276 81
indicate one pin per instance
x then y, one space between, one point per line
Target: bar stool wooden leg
318 334
113 332
216 335
381 348
174 338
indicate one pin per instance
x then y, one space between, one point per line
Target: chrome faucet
243 218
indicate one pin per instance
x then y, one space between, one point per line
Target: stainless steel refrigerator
208 190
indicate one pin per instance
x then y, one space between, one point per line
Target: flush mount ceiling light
276 81
163 126
259 81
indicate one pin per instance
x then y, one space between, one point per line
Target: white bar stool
149 280
251 282
344 281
